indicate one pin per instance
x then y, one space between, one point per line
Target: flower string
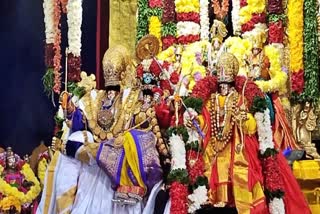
57 47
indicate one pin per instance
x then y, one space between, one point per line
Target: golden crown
228 67
115 61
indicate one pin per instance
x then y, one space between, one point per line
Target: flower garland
57 48
235 17
278 78
169 28
42 167
295 37
220 12
74 20
7 202
204 19
188 28
258 106
311 55
251 13
8 190
155 28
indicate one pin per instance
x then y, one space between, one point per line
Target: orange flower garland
219 11
57 48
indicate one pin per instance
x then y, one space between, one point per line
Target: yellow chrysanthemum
253 6
295 36
167 55
278 78
42 167
155 28
186 6
7 202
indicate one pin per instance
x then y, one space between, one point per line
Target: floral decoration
155 27
204 19
220 11
155 3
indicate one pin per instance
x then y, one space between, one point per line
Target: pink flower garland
57 48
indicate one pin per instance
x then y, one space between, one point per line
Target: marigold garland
7 190
7 202
252 7
295 34
42 167
186 6
155 28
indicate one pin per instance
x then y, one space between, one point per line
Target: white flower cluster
193 134
276 206
197 198
235 17
204 19
74 19
264 130
178 152
48 9
187 28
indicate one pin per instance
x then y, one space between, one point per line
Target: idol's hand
57 144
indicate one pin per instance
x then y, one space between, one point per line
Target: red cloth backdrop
102 36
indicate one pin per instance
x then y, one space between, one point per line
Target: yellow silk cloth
131 160
308 174
307 170
233 171
122 23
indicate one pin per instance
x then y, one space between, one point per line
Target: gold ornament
147 47
88 82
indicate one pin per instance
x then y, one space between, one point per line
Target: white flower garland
204 19
178 152
48 7
187 28
235 17
264 130
197 198
74 19
276 206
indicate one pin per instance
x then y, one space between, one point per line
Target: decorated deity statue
19 187
233 116
113 140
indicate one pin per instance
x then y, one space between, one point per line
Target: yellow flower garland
34 191
42 168
155 28
7 202
186 6
278 78
295 36
253 6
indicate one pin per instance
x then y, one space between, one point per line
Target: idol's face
224 88
111 94
11 162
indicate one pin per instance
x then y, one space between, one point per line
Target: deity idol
231 146
12 194
111 158
263 63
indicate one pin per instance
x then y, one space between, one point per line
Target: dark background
26 113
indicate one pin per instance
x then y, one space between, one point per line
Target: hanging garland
57 48
295 37
204 19
311 56
235 17
169 27
74 19
251 12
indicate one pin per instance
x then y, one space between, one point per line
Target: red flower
165 85
271 171
243 3
155 3
155 68
275 7
276 32
174 78
205 87
179 198
166 65
157 90
168 41
188 39
139 71
74 68
251 90
195 165
191 16
168 11
49 53
255 19
297 81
